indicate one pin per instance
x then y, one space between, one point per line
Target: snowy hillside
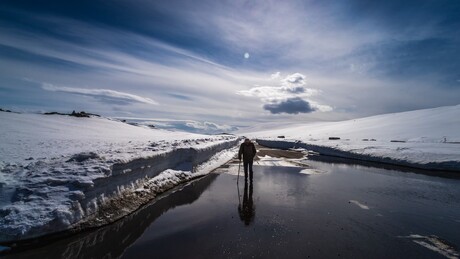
59 172
427 138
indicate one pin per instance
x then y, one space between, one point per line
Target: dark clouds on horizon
189 55
294 105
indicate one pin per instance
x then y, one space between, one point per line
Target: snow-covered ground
427 138
60 172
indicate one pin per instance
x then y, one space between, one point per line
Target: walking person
248 152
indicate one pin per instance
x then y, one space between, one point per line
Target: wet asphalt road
346 211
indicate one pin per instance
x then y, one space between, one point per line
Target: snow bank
60 172
428 139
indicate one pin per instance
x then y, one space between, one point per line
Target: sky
218 65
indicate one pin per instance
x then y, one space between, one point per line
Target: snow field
427 139
422 156
59 173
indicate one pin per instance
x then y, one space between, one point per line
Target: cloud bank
294 105
104 95
204 127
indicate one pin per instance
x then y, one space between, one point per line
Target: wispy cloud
189 56
105 95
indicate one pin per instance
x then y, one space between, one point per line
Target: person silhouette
247 210
248 152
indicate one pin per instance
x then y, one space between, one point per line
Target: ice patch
435 244
233 168
362 206
273 161
310 171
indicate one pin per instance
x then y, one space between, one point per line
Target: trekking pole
239 166
237 185
239 198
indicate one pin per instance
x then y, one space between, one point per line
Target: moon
246 55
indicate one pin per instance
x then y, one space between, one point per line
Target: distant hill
428 125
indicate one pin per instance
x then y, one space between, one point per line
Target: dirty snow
427 138
55 170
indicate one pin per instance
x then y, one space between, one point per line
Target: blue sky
229 63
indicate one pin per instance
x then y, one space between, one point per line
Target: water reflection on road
112 240
246 209
347 211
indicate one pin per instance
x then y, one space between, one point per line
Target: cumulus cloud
291 96
275 75
294 79
105 95
294 105
270 93
291 86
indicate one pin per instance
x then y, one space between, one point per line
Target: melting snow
56 171
273 161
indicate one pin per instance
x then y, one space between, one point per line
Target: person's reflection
247 209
